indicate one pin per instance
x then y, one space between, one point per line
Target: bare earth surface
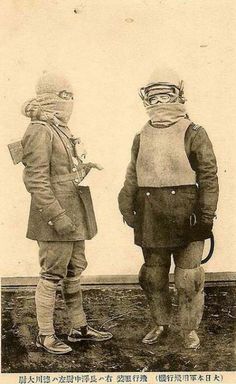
124 312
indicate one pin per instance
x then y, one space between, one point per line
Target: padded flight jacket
163 215
52 177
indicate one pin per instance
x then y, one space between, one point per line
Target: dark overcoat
52 177
164 215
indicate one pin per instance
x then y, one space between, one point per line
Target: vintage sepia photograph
118 191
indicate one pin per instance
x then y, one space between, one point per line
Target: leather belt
67 177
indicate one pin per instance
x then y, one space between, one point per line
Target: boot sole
195 347
159 338
150 342
50 351
72 340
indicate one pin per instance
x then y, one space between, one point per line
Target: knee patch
191 281
83 265
75 269
71 285
47 286
153 279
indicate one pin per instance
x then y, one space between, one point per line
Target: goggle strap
143 92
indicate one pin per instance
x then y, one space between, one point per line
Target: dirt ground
124 312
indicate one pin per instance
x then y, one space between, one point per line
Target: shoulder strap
194 126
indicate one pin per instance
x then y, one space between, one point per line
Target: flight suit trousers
60 261
189 282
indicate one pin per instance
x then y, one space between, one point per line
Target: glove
63 224
129 219
93 165
201 230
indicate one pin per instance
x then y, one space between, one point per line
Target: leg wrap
45 303
153 278
72 294
190 285
155 282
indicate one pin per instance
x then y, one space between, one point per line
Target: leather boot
89 334
155 334
52 344
191 340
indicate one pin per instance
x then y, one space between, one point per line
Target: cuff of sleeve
207 220
51 211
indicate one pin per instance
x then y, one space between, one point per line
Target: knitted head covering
48 105
52 83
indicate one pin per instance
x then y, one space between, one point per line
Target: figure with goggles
170 198
61 214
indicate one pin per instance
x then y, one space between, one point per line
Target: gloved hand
201 230
63 224
129 219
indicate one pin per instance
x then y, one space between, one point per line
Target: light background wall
108 49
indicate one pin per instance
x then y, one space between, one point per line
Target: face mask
164 115
63 110
49 107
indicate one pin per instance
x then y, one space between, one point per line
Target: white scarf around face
48 107
164 115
